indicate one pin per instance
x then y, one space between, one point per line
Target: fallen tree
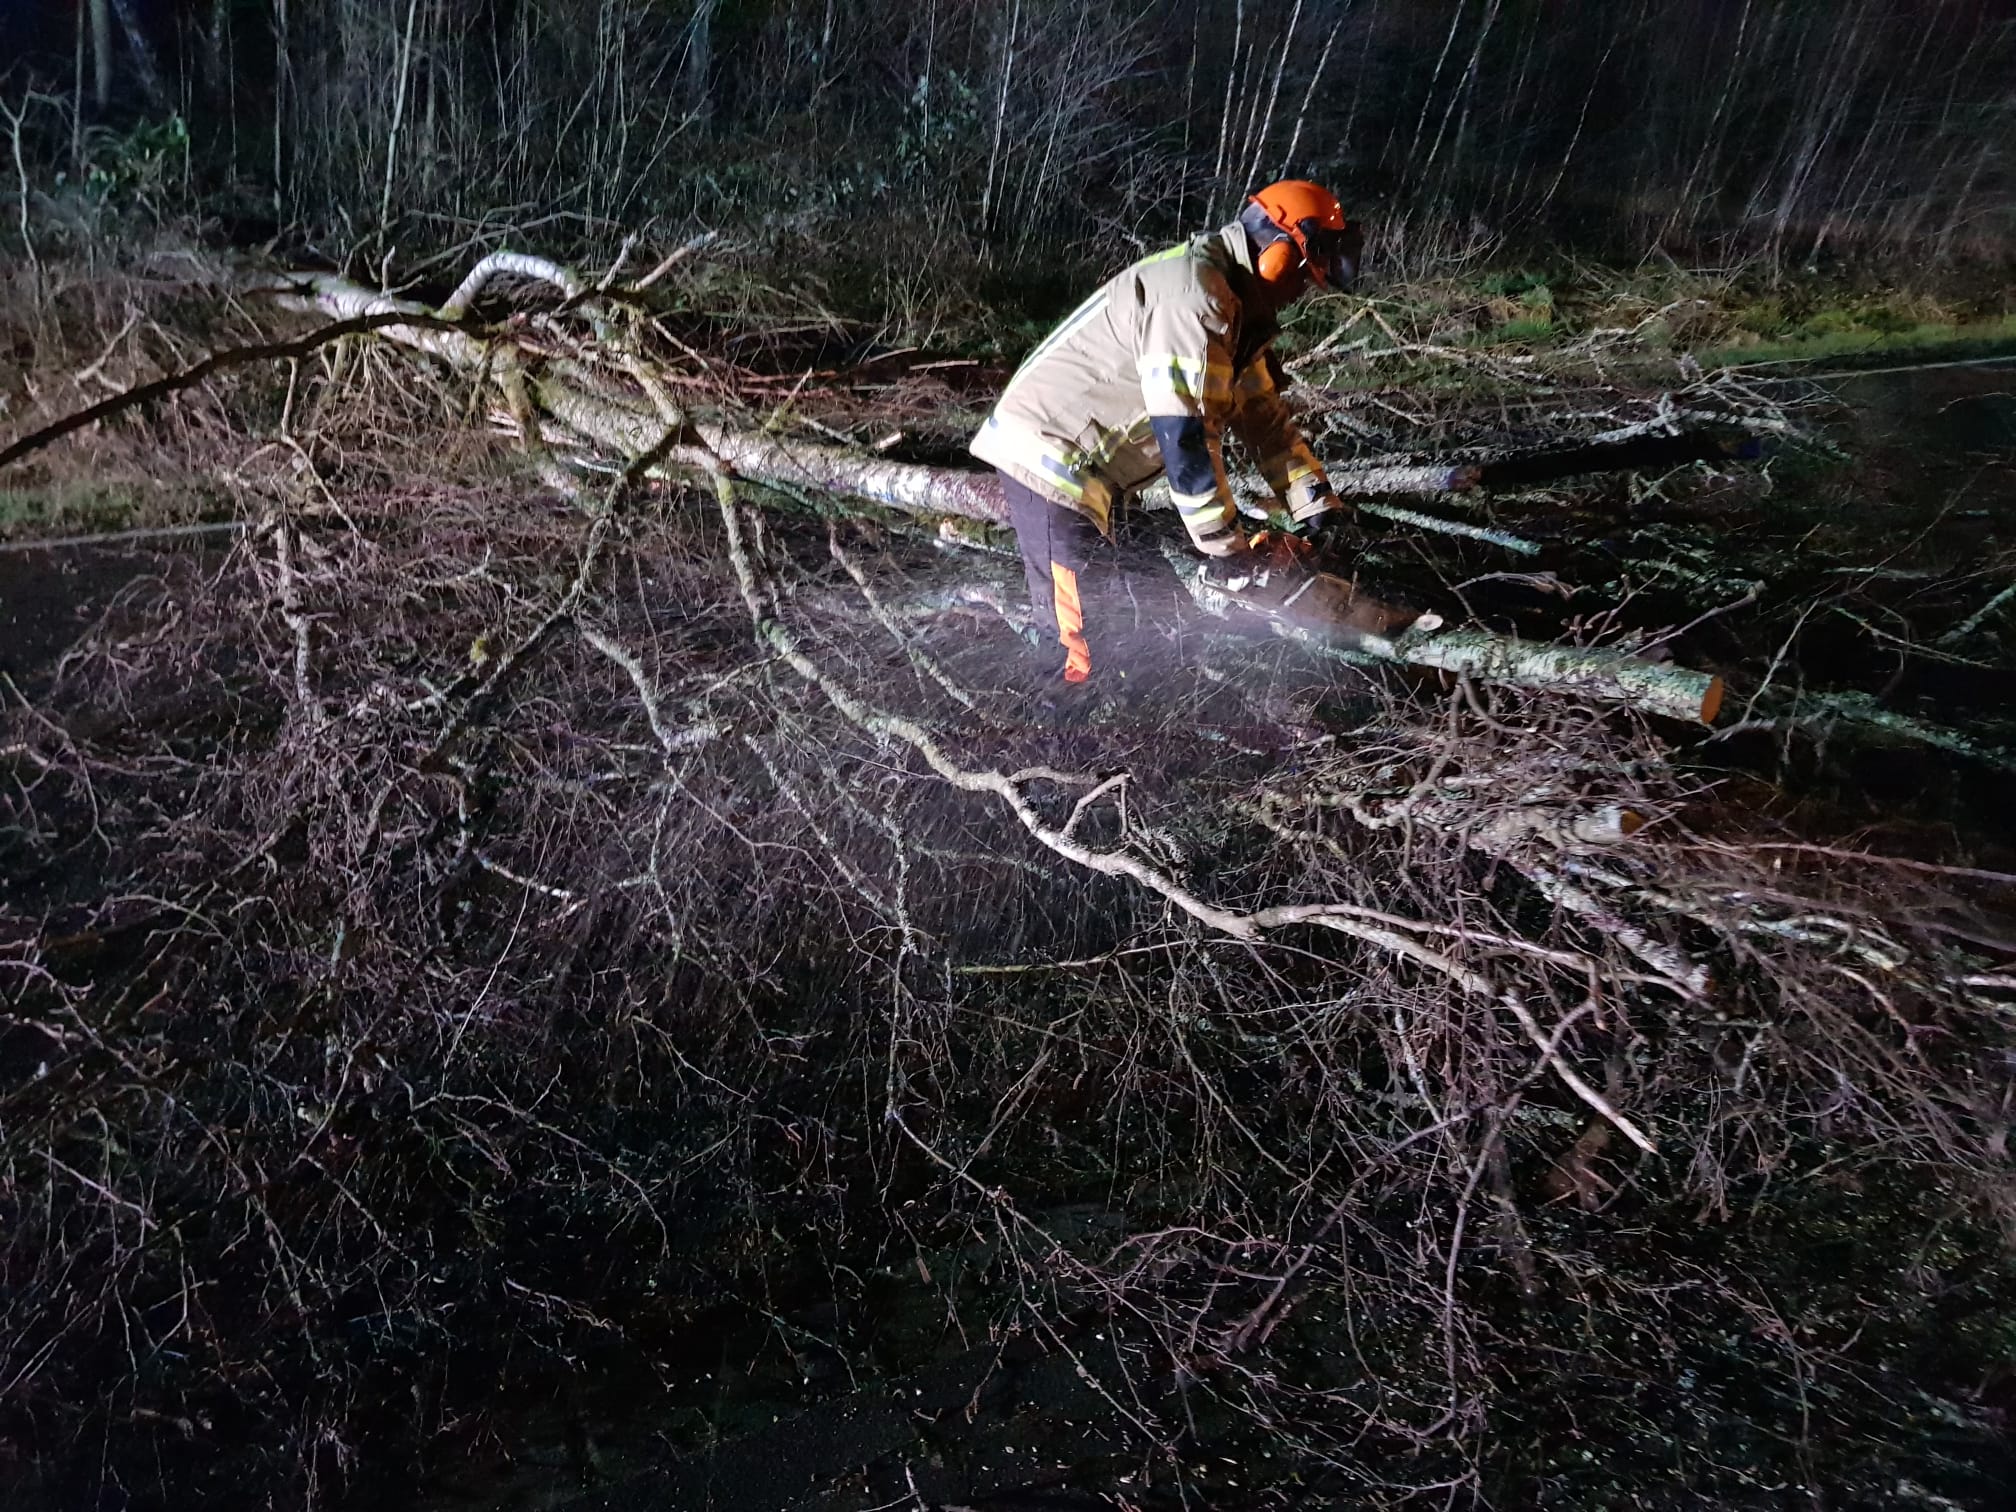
575 397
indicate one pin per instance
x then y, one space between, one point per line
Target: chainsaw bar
1278 585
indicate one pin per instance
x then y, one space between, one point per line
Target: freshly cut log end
1711 701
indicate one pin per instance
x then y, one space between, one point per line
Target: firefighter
1145 377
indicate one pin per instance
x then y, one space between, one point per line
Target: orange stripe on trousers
1070 623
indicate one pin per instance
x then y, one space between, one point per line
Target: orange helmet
1311 232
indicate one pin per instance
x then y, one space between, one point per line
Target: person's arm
1270 433
1185 363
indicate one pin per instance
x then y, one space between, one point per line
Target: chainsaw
1279 580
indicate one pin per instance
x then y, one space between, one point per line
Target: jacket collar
1229 248
1230 251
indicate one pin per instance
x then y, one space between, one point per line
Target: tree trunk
146 68
699 69
101 54
1322 609
1595 671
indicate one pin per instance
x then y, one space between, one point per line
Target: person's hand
1235 568
1231 548
1326 532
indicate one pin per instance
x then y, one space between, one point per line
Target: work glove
1313 507
1234 573
1226 548
1325 530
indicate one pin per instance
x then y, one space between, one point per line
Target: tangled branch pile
460 939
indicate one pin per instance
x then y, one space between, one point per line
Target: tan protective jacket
1163 339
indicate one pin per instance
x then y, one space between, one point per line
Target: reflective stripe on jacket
1151 371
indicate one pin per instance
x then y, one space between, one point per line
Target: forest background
945 143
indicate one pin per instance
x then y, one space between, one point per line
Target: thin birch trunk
283 74
1309 94
1466 84
77 95
1218 160
1000 122
1273 96
401 83
101 54
1428 95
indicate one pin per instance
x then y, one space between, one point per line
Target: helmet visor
1333 256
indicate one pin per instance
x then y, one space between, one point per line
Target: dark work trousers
1057 543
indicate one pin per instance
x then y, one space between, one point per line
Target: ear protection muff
1278 259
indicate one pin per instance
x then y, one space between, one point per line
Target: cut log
1595 672
1325 610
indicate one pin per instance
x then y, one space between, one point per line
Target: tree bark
146 68
1596 671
